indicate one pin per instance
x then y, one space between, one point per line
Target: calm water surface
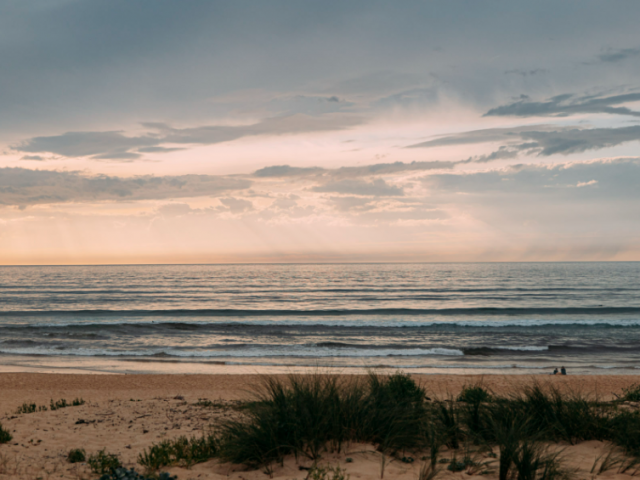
425 317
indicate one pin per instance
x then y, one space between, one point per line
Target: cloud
578 140
618 55
568 104
158 149
541 140
526 73
281 171
347 204
236 205
36 158
607 180
503 153
486 135
114 145
23 187
87 144
377 188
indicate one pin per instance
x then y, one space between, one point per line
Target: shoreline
115 365
20 387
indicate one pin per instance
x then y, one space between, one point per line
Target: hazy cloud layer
540 140
367 127
568 104
281 171
23 187
117 146
595 180
613 55
377 188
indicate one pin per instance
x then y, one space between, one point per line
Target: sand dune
125 414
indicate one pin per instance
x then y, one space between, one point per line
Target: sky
157 131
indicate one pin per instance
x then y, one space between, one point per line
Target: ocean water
436 318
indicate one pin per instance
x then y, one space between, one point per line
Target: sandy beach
124 414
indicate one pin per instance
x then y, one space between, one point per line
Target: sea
426 318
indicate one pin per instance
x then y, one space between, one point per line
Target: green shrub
103 462
182 450
5 436
76 455
475 394
631 393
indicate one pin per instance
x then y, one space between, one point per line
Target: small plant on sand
631 393
5 436
121 473
30 408
328 473
103 462
76 455
62 403
182 450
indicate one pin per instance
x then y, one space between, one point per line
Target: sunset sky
157 131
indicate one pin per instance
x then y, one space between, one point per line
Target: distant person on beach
555 371
563 371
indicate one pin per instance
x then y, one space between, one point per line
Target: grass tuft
76 455
474 394
631 393
104 463
182 450
5 436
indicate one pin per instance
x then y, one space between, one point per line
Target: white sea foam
292 351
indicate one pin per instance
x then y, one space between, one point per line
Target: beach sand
124 414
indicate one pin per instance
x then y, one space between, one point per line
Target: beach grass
5 436
309 415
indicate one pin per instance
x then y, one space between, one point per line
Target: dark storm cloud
568 104
115 145
23 187
540 140
376 188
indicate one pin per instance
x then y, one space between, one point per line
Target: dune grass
308 415
5 436
53 405
182 451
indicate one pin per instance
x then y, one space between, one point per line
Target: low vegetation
180 451
76 455
130 474
104 463
631 393
53 405
5 436
306 416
